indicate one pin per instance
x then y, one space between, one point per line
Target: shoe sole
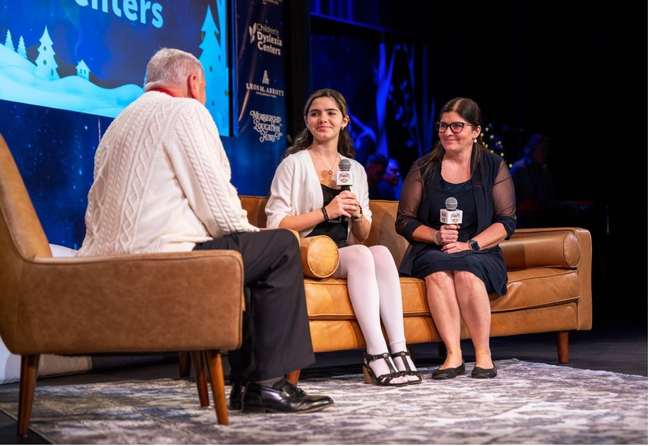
260 409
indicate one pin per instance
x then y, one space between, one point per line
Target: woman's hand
448 238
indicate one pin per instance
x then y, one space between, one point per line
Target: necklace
330 171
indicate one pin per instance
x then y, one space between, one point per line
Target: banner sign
261 109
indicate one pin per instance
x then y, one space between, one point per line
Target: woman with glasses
307 196
459 259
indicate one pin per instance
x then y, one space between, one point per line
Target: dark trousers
277 339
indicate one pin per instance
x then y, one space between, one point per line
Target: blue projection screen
90 56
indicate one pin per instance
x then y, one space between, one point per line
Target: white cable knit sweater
161 181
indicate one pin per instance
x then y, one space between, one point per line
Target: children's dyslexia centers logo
268 39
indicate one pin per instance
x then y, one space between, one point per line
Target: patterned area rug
528 403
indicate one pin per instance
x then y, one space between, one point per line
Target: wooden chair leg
563 346
198 363
184 364
218 384
293 377
28 372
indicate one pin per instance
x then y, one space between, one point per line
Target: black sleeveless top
336 231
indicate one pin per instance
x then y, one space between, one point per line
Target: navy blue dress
486 198
487 265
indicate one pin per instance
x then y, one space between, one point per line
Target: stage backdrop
68 67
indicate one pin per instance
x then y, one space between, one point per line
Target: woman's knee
439 279
466 279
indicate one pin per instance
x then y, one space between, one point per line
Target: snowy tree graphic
45 64
21 47
9 43
215 64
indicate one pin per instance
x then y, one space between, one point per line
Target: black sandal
407 366
369 376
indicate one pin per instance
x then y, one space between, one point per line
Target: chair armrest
125 303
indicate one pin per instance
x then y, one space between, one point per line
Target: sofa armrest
542 247
556 247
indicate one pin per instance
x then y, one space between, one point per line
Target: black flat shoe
449 372
478 372
282 397
235 395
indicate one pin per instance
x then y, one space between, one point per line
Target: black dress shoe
479 372
282 397
235 395
449 372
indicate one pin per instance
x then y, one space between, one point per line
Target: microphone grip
344 219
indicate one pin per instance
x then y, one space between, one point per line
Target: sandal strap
403 356
387 377
407 367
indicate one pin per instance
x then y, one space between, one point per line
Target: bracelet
360 216
435 238
327 217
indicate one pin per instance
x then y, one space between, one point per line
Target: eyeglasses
456 127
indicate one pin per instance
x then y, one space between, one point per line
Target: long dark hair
305 139
471 113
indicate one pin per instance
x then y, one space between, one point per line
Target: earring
475 141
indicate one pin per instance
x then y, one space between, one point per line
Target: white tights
374 289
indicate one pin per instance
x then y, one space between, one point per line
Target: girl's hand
344 204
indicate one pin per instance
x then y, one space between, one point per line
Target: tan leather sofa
549 286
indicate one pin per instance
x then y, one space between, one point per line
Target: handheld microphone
451 215
344 178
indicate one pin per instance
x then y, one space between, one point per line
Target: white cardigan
296 190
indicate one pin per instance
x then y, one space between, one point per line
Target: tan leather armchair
147 303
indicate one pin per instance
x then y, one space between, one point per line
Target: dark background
575 70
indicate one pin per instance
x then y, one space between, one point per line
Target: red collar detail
162 90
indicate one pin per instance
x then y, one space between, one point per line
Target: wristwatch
474 245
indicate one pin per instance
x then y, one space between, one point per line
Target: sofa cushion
320 256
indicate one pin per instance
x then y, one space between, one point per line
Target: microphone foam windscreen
451 204
344 165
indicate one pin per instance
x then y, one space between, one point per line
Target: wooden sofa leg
184 364
293 377
218 384
198 363
28 372
563 346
